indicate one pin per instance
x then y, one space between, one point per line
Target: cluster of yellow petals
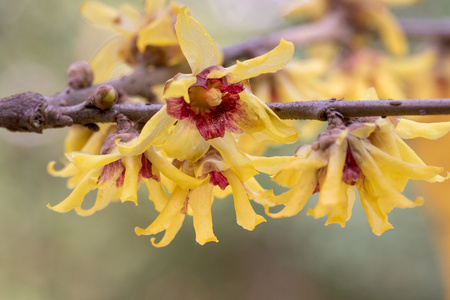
135 31
184 162
386 162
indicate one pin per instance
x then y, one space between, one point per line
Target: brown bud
104 97
79 75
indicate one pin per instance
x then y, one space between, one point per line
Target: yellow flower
137 33
82 139
117 176
299 80
362 69
197 201
367 153
207 107
368 15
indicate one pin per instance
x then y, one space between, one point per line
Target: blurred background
46 255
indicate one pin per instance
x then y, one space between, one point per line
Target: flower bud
79 75
104 97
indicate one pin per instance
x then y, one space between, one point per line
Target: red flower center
214 104
351 173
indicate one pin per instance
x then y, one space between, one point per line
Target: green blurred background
46 255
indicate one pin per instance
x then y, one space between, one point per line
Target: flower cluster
195 148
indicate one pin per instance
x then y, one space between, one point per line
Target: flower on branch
147 38
366 153
197 201
207 107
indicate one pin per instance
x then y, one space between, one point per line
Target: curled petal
295 199
292 174
171 172
273 164
234 157
171 230
68 171
333 192
197 46
408 129
157 33
273 128
378 183
105 59
86 162
200 200
131 181
104 197
154 129
378 220
245 215
268 63
75 199
156 194
395 167
164 219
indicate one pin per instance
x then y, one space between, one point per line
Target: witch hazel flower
149 35
205 108
80 138
368 154
197 201
117 177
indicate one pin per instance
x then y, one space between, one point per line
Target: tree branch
306 110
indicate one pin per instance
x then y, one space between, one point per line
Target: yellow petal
390 31
76 138
104 197
156 194
292 174
185 142
171 172
164 219
333 193
378 221
295 199
392 165
156 127
408 129
258 194
245 215
106 59
67 171
131 181
382 188
99 14
76 197
179 86
273 164
268 63
362 131
200 200
233 156
196 44
371 94
86 162
171 231
153 7
310 9
273 128
160 33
